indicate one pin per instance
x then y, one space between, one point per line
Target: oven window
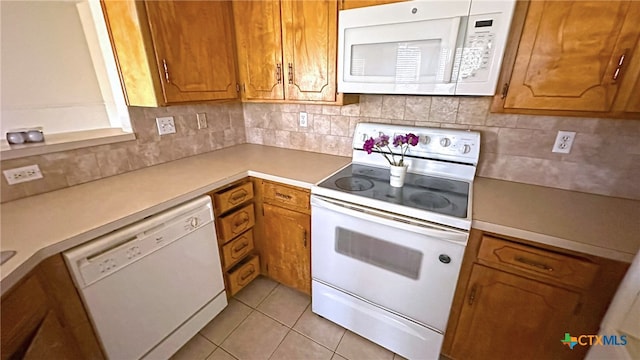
383 254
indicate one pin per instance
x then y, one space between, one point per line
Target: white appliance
151 286
424 47
385 260
622 320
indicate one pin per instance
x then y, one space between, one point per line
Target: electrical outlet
22 174
202 120
564 141
303 119
166 125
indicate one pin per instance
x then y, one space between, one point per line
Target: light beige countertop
597 225
43 225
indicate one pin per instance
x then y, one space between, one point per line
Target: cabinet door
569 55
287 250
259 44
51 341
310 33
193 43
505 316
352 4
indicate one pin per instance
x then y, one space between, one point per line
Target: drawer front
237 248
294 198
236 223
561 268
243 274
228 199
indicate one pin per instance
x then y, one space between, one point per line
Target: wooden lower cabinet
283 233
516 299
504 314
43 317
235 218
287 251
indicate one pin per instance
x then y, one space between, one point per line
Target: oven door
401 264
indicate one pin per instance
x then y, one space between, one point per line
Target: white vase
397 175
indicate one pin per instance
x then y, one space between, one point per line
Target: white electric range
385 260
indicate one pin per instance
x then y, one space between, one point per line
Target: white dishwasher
151 286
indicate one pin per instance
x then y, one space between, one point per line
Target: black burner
430 200
354 183
420 192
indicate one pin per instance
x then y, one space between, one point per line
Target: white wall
48 77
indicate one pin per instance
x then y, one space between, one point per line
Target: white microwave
423 47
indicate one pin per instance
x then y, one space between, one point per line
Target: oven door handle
397 221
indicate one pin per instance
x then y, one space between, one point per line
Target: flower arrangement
402 141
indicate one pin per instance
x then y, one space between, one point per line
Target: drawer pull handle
534 264
243 221
240 247
246 275
238 195
283 196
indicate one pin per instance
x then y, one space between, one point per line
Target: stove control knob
425 139
445 142
464 149
445 259
194 222
365 137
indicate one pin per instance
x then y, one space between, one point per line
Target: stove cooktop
443 196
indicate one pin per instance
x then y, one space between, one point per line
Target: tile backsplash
68 168
605 158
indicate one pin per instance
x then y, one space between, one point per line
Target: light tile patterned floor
267 320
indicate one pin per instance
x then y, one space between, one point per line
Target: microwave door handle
373 215
452 45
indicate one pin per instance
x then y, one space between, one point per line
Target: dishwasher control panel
115 251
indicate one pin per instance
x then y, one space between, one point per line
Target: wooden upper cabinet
259 47
173 51
576 56
193 43
287 49
352 4
310 33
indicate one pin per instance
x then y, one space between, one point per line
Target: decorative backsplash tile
605 158
67 168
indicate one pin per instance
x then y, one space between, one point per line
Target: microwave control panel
473 63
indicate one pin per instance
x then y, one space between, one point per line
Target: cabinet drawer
237 248
230 198
242 274
561 268
289 197
236 223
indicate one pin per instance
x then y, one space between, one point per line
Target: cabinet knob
445 142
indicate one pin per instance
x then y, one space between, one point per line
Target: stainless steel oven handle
397 221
